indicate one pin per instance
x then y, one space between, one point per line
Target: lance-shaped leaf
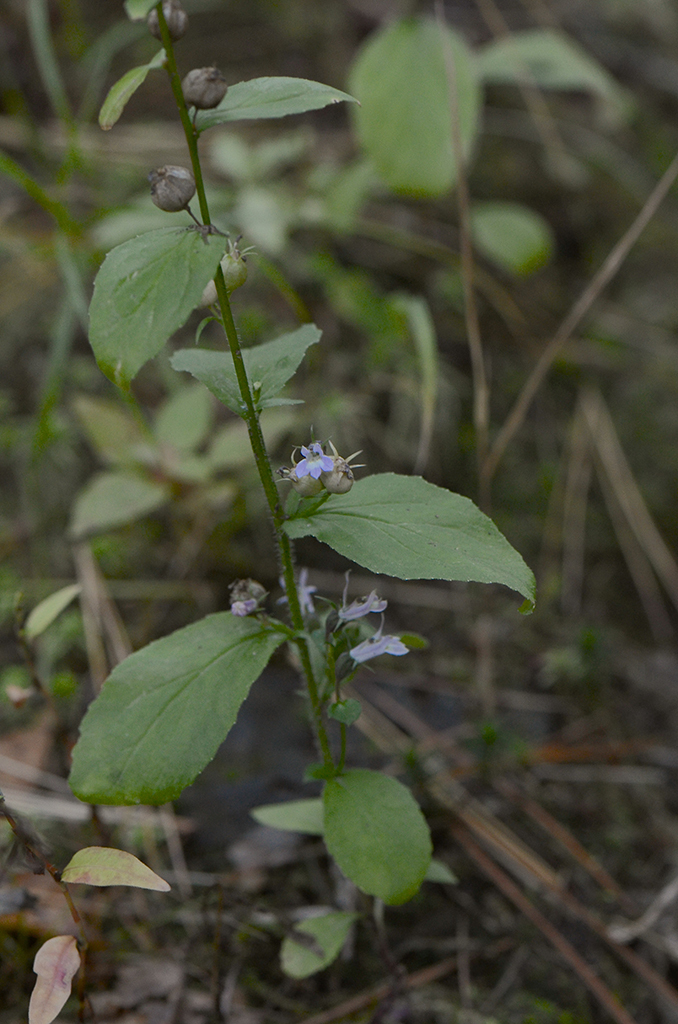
377 834
163 712
405 527
269 367
327 934
270 97
144 291
55 963
292 816
404 120
120 93
103 865
44 614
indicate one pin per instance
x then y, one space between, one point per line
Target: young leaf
270 365
55 963
138 9
270 97
103 865
110 500
551 60
405 527
329 933
404 120
44 614
163 712
377 834
439 872
109 427
292 816
512 236
119 94
144 291
345 711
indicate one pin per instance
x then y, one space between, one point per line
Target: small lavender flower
378 644
361 606
314 461
304 590
242 608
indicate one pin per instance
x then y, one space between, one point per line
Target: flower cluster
317 471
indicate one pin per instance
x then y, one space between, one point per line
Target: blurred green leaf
512 236
377 834
110 500
138 9
164 710
404 121
110 428
44 614
439 872
329 934
270 97
406 527
120 93
292 816
184 419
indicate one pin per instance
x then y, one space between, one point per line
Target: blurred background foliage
567 117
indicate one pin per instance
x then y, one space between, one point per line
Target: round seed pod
175 16
172 187
340 479
204 88
235 274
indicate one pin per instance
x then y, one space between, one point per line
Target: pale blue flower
361 606
242 608
304 590
378 644
314 461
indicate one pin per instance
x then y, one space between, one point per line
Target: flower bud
204 88
175 16
235 274
246 597
172 188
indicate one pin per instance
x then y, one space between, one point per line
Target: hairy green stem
249 411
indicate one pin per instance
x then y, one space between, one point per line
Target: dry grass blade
579 310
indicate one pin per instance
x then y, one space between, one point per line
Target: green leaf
551 60
44 614
163 712
110 500
138 9
292 816
405 527
439 872
512 236
270 365
270 97
144 291
345 711
404 121
377 834
104 865
110 428
119 94
184 419
329 934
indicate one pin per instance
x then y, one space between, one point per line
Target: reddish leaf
102 865
55 963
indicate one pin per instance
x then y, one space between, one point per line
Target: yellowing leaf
55 963
102 865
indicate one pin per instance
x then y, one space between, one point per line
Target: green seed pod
175 16
340 479
204 88
172 188
235 274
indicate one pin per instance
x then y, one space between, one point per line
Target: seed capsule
172 188
204 88
306 486
339 479
235 275
175 16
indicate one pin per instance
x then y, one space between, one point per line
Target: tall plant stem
249 413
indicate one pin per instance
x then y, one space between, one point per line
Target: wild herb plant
164 711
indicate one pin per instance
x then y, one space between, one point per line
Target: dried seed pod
175 16
172 188
204 88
